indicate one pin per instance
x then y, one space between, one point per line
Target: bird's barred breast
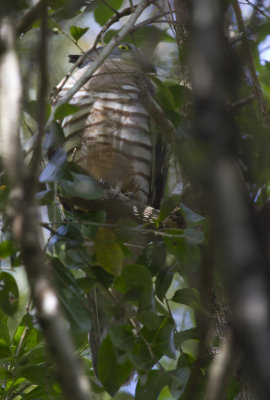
109 137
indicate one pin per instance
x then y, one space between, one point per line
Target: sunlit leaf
7 248
26 338
64 110
4 329
77 32
108 252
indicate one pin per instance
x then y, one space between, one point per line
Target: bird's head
126 52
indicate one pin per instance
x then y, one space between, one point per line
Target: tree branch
242 258
25 227
30 17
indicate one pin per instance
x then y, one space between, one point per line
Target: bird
110 136
112 139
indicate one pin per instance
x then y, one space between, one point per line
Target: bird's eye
125 47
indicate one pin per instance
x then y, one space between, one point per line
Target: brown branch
34 170
29 18
242 256
240 103
222 368
25 226
117 205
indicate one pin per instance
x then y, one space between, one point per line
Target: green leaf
45 197
4 330
188 296
5 374
179 379
56 168
136 284
32 108
41 393
180 93
167 206
102 12
54 139
111 373
163 343
163 281
153 257
4 349
165 394
165 91
190 216
122 337
64 110
150 388
83 186
7 248
36 374
187 254
108 252
9 293
88 230
77 32
72 298
77 311
149 319
26 336
187 334
140 357
233 389
194 236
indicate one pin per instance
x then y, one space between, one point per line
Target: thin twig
258 9
241 103
256 84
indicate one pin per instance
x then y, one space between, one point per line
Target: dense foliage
175 285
